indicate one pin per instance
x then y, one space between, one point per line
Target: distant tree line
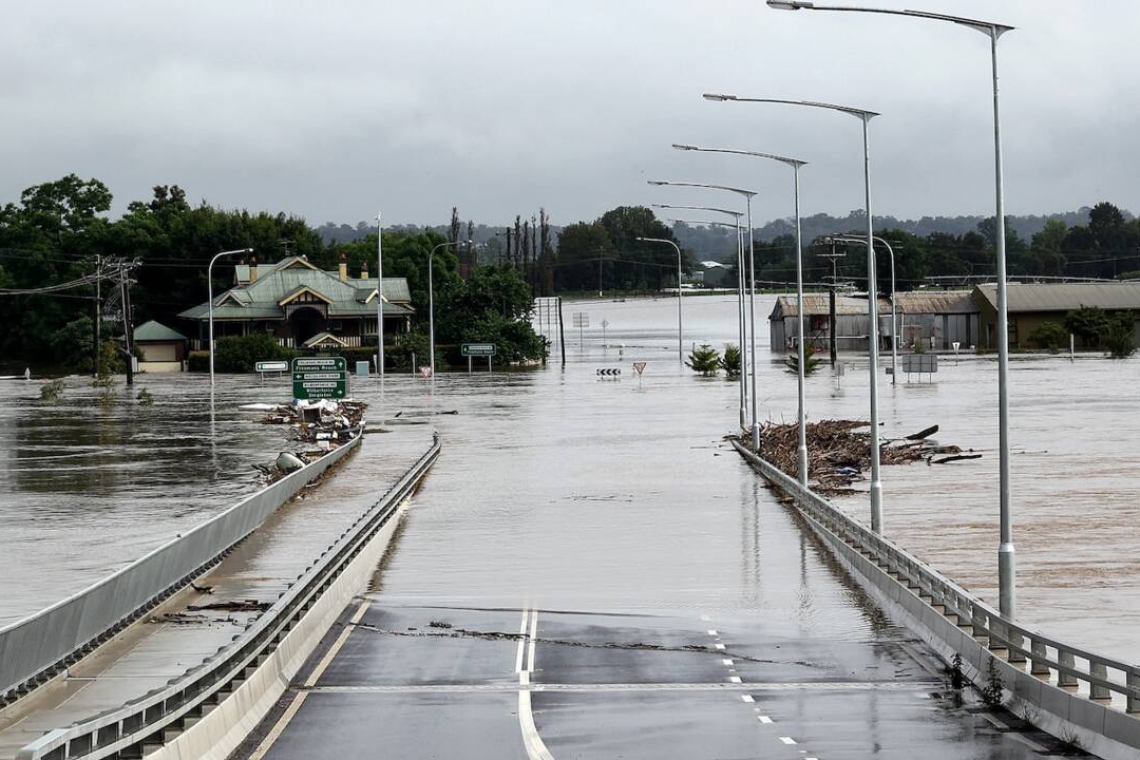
1104 245
59 230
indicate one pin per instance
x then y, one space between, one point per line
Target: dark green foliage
811 364
1087 323
626 262
992 688
241 353
1050 335
730 362
51 391
704 360
1118 339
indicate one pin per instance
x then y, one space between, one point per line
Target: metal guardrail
1063 665
187 697
35 649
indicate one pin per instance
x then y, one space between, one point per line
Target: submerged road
590 572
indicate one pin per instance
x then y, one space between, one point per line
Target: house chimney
364 270
343 268
252 269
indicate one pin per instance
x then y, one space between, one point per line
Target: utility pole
599 275
128 332
98 309
833 343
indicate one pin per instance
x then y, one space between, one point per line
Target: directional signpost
471 350
320 378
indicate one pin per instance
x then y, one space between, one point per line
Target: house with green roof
159 348
304 306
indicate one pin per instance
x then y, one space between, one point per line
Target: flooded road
567 470
590 567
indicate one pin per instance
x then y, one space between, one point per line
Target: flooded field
87 489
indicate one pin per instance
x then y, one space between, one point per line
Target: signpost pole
468 365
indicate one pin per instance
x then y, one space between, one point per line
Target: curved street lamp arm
986 27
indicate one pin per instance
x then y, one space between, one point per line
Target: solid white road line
279 727
532 741
533 634
522 642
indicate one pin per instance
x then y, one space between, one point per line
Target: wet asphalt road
589 572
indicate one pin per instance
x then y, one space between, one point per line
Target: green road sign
320 378
478 349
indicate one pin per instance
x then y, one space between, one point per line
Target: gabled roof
303 290
1025 296
263 298
152 331
236 295
322 339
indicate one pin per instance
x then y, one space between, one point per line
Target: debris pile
839 451
326 424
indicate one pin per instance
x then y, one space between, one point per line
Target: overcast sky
335 110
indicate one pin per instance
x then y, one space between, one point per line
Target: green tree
1088 323
704 360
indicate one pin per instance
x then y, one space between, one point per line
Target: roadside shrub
241 353
1118 339
198 361
1050 335
51 391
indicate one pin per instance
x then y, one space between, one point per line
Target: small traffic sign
272 366
639 367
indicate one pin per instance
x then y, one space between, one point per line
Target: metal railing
148 718
1068 667
35 649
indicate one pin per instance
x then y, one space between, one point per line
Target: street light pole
748 195
741 326
800 374
379 296
872 302
210 295
680 320
1007 591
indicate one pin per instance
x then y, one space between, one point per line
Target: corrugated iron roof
155 331
917 302
936 302
818 304
1023 296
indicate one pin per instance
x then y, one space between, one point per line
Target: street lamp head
789 5
685 147
718 96
658 182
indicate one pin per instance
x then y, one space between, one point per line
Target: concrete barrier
953 623
209 709
34 649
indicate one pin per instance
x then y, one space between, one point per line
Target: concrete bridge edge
223 729
1100 730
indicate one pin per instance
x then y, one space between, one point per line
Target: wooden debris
839 451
